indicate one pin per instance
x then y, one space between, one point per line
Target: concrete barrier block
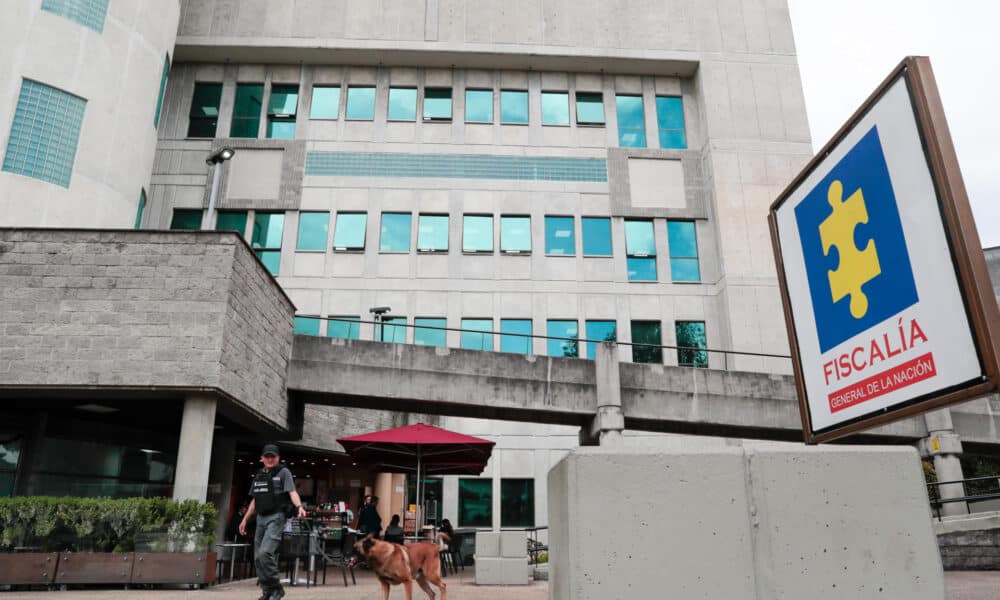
515 571
487 544
489 570
513 544
756 523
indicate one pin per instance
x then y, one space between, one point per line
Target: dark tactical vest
265 491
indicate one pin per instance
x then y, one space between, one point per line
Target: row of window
478 334
89 13
359 105
475 502
395 236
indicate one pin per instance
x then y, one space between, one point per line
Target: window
347 328
392 329
204 116
432 233
683 243
437 104
89 13
325 102
640 249
402 104
44 134
602 331
563 347
517 503
395 233
589 108
281 112
10 454
313 230
478 106
509 341
513 107
475 502
140 209
266 239
596 236
163 91
477 233
349 233
186 219
670 122
360 103
307 325
477 341
555 108
691 343
647 332
247 105
429 337
515 235
231 220
559 239
631 122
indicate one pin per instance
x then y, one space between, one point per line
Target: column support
609 422
194 449
944 446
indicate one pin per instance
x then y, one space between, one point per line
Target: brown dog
394 564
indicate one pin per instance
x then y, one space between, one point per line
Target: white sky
847 47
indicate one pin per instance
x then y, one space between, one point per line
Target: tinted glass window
478 106
515 234
204 116
631 122
559 238
596 236
402 104
429 337
307 325
343 327
639 239
189 219
690 338
641 269
475 502
437 104
513 106
601 331
432 233
646 332
246 110
555 108
266 239
313 230
589 108
670 122
395 232
517 502
360 103
683 251
477 341
231 220
325 102
140 208
349 232
281 111
477 233
563 347
393 329
515 343
163 91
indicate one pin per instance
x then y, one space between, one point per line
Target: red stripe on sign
896 378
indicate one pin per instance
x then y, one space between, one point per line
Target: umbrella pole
420 504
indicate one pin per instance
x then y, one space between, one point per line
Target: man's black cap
270 449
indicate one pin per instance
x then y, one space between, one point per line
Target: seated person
394 533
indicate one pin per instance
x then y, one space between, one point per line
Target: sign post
888 303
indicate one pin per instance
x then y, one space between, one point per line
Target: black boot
277 593
267 590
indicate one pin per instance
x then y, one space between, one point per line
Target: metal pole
208 219
420 482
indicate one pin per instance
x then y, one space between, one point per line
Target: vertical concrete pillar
194 450
220 478
609 422
383 489
944 446
29 453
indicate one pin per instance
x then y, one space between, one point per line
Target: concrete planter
94 567
176 568
33 568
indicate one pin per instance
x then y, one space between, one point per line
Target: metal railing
534 546
973 489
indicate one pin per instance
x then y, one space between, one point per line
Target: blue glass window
647 332
515 343
691 342
432 233
349 233
683 251
163 91
563 347
559 238
402 104
325 102
513 107
187 219
640 248
44 134
231 220
478 106
631 122
266 239
477 341
589 108
429 337
246 110
596 236
437 104
307 325
555 108
601 331
204 116
477 233
395 233
281 111
313 230
141 208
392 329
360 103
89 13
670 122
515 234
347 328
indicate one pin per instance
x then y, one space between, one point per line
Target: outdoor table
232 556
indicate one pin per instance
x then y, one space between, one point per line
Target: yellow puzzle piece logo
856 267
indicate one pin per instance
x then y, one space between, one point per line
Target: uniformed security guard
274 500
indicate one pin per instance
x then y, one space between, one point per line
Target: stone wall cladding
970 550
324 424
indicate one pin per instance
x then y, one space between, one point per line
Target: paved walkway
968 585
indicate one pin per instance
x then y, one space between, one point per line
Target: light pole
378 312
208 220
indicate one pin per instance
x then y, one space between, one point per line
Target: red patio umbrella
424 449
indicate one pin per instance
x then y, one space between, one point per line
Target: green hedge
106 524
